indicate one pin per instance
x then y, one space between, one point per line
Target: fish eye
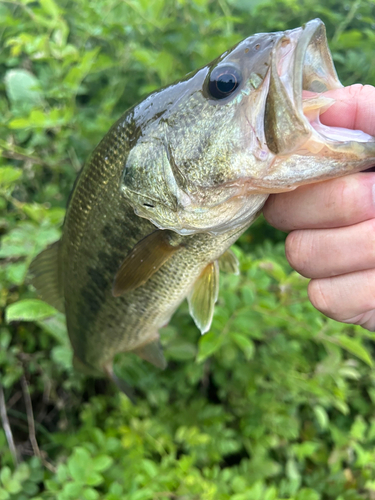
224 80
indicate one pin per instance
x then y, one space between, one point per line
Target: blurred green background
262 407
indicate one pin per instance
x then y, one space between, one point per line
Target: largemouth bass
178 179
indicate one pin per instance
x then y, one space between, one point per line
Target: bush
262 407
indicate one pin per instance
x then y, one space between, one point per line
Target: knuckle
370 236
319 297
342 198
367 242
272 212
356 89
297 252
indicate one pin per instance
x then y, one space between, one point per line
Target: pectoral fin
45 274
228 263
143 261
203 296
153 353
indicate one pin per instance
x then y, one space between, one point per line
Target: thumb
354 108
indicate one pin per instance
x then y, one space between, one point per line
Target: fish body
178 179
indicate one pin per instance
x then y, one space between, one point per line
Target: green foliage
263 407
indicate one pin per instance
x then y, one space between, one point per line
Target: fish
177 179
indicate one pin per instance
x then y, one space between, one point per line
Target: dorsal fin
45 274
228 263
153 353
203 296
143 261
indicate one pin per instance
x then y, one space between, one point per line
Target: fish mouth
301 71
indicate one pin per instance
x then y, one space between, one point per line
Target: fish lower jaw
329 140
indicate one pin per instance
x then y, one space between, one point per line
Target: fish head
210 149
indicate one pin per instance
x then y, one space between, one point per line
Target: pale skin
331 225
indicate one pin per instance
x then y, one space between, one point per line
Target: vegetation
263 407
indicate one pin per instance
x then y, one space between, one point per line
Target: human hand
332 224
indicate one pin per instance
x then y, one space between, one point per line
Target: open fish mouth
302 70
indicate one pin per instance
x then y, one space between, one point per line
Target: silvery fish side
178 179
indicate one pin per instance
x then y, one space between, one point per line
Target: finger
349 298
354 108
335 203
321 253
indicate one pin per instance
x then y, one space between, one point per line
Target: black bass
178 179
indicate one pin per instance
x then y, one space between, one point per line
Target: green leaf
22 472
90 494
93 479
78 464
321 416
16 272
29 310
209 343
9 175
245 344
50 7
355 347
13 486
359 428
73 490
4 495
102 463
22 88
181 350
5 474
308 494
62 355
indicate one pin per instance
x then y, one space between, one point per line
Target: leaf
93 478
102 463
208 345
355 347
358 429
16 272
321 416
26 239
13 486
90 494
308 494
5 475
22 472
245 344
62 355
78 463
22 88
29 310
9 175
4 495
181 350
50 7
73 490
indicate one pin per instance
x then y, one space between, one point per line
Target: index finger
335 203
354 108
